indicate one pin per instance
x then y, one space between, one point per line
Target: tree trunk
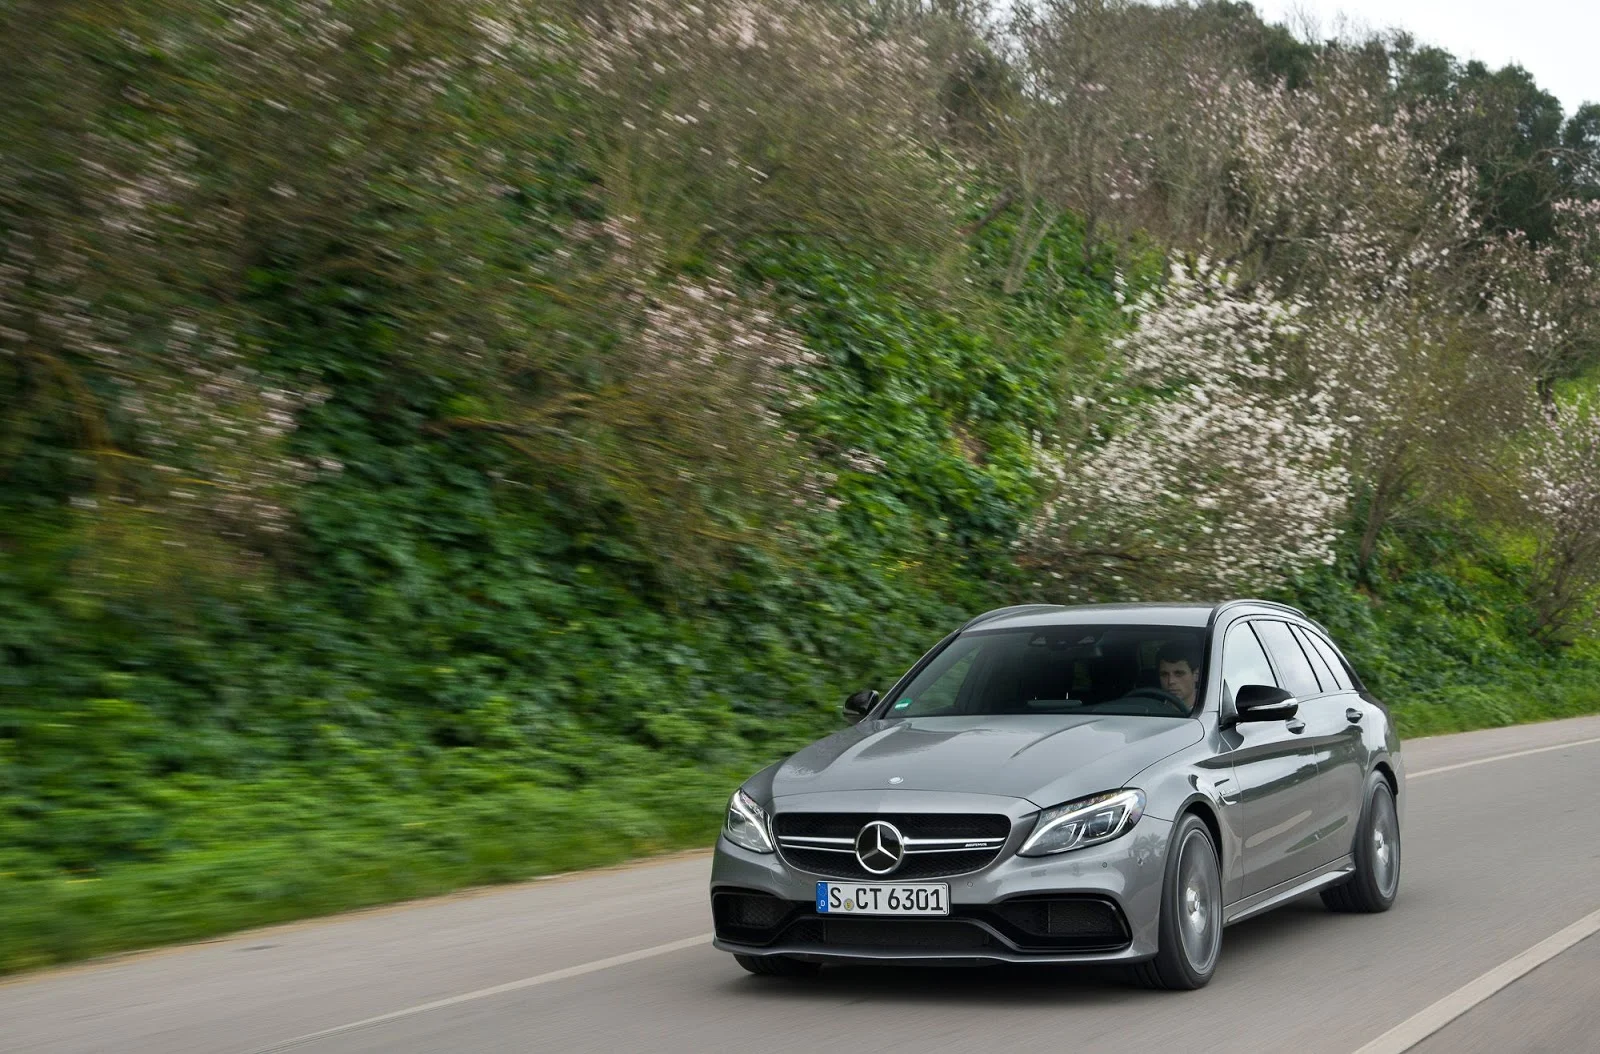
1379 506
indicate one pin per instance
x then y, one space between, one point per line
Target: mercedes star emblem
880 847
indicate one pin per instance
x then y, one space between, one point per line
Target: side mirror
1264 702
857 705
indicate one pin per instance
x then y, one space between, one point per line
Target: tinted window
1108 669
1319 664
1341 672
1294 671
1243 661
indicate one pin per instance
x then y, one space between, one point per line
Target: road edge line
499 989
1432 1018
1500 757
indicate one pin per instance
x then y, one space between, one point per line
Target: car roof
1197 615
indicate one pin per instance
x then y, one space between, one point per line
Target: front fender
1199 778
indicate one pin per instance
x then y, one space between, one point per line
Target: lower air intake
910 934
1065 923
748 917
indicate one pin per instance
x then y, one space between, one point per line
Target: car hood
1047 759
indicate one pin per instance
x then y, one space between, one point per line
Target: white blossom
1222 481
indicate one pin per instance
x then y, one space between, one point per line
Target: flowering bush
1222 479
193 199
690 426
1335 189
1561 489
1548 295
731 118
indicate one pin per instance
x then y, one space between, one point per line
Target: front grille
943 853
912 825
914 866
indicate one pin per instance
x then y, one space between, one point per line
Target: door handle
1296 725
1352 715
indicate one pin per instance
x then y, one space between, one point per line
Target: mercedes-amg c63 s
1094 784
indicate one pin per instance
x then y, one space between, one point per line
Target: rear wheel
777 966
1377 855
1190 929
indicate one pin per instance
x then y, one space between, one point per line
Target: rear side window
1294 669
1243 661
1341 672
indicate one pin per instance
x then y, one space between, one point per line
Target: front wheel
1377 855
777 966
1190 929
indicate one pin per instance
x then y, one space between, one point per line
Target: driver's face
1178 678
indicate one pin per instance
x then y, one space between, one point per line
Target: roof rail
1272 604
1263 604
1015 609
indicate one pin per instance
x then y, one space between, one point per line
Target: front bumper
1120 879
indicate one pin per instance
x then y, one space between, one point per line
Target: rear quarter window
1341 669
1319 663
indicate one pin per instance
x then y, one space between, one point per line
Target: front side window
1105 669
1243 660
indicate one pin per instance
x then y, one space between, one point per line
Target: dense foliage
446 442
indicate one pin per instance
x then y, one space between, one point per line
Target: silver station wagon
1093 784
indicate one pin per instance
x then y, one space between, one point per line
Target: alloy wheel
1385 845
1199 902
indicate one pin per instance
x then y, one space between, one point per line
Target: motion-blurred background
443 441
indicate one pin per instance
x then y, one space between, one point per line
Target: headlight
746 825
1088 821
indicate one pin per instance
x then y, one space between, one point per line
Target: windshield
1138 670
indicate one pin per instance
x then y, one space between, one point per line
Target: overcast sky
1558 41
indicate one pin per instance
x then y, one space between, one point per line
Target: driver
1179 667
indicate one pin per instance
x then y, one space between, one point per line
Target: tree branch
1000 205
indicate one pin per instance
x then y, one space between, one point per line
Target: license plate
865 898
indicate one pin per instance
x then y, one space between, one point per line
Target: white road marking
1429 1020
1498 757
499 989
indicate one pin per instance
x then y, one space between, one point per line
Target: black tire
1376 881
1190 927
777 966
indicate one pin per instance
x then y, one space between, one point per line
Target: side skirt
1267 899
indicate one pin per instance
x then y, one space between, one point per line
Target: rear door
1275 808
1333 739
1363 722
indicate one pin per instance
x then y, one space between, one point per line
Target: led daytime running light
1088 821
746 825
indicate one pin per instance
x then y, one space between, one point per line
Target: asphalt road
1502 854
